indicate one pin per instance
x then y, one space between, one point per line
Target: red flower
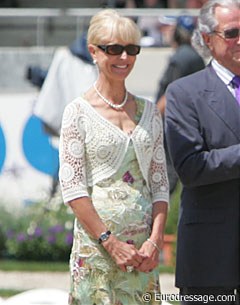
127 177
130 242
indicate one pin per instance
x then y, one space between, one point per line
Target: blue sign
38 149
2 148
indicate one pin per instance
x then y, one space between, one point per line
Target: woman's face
115 67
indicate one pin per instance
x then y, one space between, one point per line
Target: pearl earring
94 61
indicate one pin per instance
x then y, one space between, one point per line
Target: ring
129 269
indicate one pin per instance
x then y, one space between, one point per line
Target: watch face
104 236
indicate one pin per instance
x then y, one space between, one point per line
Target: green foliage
2 242
41 232
172 220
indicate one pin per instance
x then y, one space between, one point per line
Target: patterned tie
236 86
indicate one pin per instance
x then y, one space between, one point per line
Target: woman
113 175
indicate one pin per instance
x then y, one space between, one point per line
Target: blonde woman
113 175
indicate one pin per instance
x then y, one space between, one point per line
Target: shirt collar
224 74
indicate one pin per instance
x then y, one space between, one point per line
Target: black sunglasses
117 49
229 34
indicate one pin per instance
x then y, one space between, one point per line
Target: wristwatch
104 236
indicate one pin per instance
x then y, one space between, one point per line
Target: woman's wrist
157 239
155 245
104 236
110 243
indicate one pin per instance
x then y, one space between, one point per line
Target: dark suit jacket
202 122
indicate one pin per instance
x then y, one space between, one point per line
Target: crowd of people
153 3
156 30
117 151
126 3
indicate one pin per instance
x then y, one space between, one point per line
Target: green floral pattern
124 204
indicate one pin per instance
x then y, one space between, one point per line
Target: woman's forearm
88 216
160 210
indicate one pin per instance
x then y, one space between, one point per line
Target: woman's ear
92 51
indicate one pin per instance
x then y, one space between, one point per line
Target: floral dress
124 203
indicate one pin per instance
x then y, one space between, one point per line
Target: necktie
236 86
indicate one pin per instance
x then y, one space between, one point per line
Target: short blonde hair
108 24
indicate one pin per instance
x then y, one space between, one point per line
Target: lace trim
92 149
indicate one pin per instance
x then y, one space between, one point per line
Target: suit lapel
222 102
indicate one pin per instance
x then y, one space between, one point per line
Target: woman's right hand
122 253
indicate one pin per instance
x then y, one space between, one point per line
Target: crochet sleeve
158 172
72 173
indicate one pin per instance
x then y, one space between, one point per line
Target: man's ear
207 39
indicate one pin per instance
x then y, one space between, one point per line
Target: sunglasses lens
232 33
132 49
115 49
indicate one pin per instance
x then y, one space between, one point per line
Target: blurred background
31 33
40 40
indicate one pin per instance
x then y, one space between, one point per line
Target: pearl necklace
115 106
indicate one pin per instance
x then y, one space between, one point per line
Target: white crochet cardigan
92 149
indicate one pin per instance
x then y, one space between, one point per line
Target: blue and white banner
28 157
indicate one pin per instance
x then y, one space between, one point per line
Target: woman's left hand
152 257
151 247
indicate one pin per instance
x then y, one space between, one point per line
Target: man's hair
207 23
184 29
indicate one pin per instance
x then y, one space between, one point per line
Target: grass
12 265
167 269
7 293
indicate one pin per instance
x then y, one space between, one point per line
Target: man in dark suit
202 123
